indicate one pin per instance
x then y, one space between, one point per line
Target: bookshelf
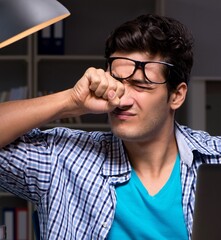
27 71
16 83
16 71
11 210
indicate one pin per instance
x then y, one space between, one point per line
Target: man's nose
127 99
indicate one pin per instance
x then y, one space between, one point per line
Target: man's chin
122 133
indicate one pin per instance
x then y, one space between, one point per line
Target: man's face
144 111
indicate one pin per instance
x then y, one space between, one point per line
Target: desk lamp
20 18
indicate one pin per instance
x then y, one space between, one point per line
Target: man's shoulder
83 136
198 134
65 136
199 139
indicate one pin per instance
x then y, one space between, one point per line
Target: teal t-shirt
141 216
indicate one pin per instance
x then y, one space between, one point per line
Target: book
51 39
4 96
16 223
21 223
2 232
9 222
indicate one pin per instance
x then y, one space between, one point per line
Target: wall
203 17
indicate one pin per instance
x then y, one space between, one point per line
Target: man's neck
153 161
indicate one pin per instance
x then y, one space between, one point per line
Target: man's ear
178 96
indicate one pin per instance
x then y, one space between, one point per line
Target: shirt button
105 224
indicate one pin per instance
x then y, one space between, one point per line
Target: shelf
6 194
69 57
14 58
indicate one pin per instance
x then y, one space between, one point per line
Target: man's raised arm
95 92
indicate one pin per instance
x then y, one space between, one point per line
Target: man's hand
97 92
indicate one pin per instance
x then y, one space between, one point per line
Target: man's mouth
122 113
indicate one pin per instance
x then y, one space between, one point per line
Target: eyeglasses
122 68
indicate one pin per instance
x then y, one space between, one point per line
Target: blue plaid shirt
70 176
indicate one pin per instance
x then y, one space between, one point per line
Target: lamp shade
20 18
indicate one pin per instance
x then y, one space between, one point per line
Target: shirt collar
189 140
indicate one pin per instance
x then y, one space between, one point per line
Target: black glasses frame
138 65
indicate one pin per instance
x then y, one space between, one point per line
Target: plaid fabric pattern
70 176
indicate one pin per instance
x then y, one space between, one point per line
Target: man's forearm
18 117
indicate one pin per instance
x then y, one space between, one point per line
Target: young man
135 182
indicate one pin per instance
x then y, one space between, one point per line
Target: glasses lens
124 68
155 72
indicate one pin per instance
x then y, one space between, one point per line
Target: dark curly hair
156 35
